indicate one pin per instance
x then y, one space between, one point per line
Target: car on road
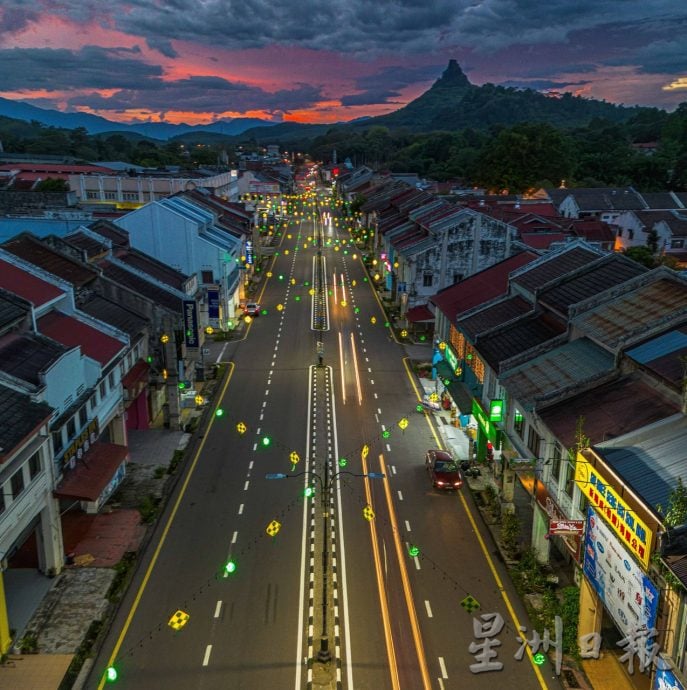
251 309
443 470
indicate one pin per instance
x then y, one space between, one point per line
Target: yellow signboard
633 533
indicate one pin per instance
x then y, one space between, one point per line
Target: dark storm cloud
364 27
664 57
90 67
162 46
202 94
16 18
386 85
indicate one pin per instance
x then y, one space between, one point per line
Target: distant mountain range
451 104
95 124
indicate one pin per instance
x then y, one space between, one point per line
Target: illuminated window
518 422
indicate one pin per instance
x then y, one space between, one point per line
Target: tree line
514 158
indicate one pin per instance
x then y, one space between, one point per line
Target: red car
443 470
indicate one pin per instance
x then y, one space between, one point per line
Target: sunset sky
329 60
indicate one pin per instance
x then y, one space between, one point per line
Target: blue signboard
665 680
213 304
249 252
629 596
190 323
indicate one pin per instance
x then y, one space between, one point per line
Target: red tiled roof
542 240
419 314
480 287
93 472
30 287
71 332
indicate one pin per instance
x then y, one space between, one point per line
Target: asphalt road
393 620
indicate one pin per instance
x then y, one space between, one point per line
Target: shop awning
93 472
419 314
139 372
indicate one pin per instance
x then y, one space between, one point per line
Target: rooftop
20 419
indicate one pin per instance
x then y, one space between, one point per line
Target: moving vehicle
443 470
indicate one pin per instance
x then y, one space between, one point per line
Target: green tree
676 513
642 255
52 184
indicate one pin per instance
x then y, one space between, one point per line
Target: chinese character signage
627 593
634 534
190 323
249 252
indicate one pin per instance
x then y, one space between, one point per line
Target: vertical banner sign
629 596
190 323
213 304
249 252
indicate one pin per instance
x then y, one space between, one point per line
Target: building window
556 458
93 401
207 277
582 500
83 417
2 500
57 442
619 233
569 479
103 389
677 244
92 195
34 466
534 441
518 423
630 234
111 380
427 279
71 428
17 483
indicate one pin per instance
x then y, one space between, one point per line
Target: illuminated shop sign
634 534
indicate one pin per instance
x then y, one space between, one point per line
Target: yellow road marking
483 546
158 549
390 651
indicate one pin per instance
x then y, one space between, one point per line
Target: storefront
617 596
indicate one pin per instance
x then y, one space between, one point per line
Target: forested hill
453 103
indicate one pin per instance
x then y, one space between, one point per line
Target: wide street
298 564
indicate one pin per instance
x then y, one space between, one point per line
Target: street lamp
326 484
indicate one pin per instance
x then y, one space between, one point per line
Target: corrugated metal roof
634 313
565 367
650 461
609 411
658 347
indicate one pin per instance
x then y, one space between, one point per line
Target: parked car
251 309
443 470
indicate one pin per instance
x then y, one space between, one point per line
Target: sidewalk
57 613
